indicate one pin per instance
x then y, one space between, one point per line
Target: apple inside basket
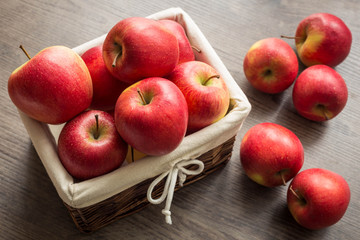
95 202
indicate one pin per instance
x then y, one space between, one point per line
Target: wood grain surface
225 205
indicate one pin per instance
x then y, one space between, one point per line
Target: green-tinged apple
319 93
90 146
271 154
106 88
151 116
185 50
318 198
137 48
53 86
271 65
322 38
205 91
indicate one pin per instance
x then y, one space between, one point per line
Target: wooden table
225 205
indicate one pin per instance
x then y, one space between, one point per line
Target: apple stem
296 195
326 116
22 48
213 76
132 154
141 96
288 37
196 49
96 135
283 179
324 112
116 57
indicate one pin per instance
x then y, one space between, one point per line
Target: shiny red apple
151 116
318 198
323 38
271 154
205 91
137 48
53 86
319 93
271 65
90 146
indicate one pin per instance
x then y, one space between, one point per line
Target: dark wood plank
225 205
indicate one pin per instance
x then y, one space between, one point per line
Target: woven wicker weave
134 199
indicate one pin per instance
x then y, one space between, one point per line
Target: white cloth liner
89 192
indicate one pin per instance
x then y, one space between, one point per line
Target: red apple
322 38
89 145
106 88
185 50
53 86
205 91
271 65
151 116
271 154
137 48
319 93
318 198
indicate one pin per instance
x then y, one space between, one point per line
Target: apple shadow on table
284 226
278 108
272 215
257 194
300 125
309 132
268 103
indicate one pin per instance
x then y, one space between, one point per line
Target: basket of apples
128 118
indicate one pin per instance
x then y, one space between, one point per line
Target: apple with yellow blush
322 38
205 91
53 86
271 65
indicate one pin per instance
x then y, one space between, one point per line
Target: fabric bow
177 170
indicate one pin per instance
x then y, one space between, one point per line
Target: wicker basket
99 201
134 199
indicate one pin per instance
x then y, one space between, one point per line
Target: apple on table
151 116
205 91
319 93
137 48
271 154
318 198
271 65
53 86
90 146
322 38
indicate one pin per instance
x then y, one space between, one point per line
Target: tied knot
177 171
167 214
